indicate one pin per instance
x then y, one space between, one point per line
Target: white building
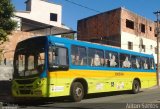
41 17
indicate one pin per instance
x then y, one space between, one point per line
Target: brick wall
106 27
103 28
9 46
138 20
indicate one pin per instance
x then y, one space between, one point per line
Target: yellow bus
48 66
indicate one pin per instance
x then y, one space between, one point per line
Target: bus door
59 71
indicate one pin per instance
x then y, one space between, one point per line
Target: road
146 99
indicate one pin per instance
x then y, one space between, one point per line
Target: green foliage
6 23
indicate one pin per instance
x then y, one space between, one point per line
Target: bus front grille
27 81
25 91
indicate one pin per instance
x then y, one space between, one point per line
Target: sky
72 13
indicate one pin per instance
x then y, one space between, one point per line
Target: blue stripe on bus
110 69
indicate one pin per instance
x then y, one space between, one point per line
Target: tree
6 22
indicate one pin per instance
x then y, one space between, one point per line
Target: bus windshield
29 59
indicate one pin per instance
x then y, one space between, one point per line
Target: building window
28 5
142 26
144 48
130 45
150 28
129 24
53 17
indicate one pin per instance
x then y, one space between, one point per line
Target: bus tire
77 92
135 87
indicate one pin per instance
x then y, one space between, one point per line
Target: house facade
39 19
120 28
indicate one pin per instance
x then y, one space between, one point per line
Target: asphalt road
146 99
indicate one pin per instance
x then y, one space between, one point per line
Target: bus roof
66 41
95 45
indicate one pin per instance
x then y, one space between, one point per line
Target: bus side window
96 60
145 63
125 61
82 55
73 58
78 55
151 63
95 57
135 62
111 59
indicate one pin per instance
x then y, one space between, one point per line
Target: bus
48 66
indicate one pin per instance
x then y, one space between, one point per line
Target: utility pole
157 13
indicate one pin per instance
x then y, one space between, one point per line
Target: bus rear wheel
135 87
77 92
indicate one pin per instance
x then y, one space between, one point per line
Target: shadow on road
47 103
106 94
5 97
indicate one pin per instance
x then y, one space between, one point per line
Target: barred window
130 45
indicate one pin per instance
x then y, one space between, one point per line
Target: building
121 28
40 18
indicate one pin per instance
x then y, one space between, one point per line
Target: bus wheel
77 91
135 86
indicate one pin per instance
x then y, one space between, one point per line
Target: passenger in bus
137 64
145 65
102 61
126 63
107 63
82 62
113 61
152 65
73 59
77 61
95 61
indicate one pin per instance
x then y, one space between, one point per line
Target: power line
82 6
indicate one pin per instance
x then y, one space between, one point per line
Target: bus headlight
39 83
